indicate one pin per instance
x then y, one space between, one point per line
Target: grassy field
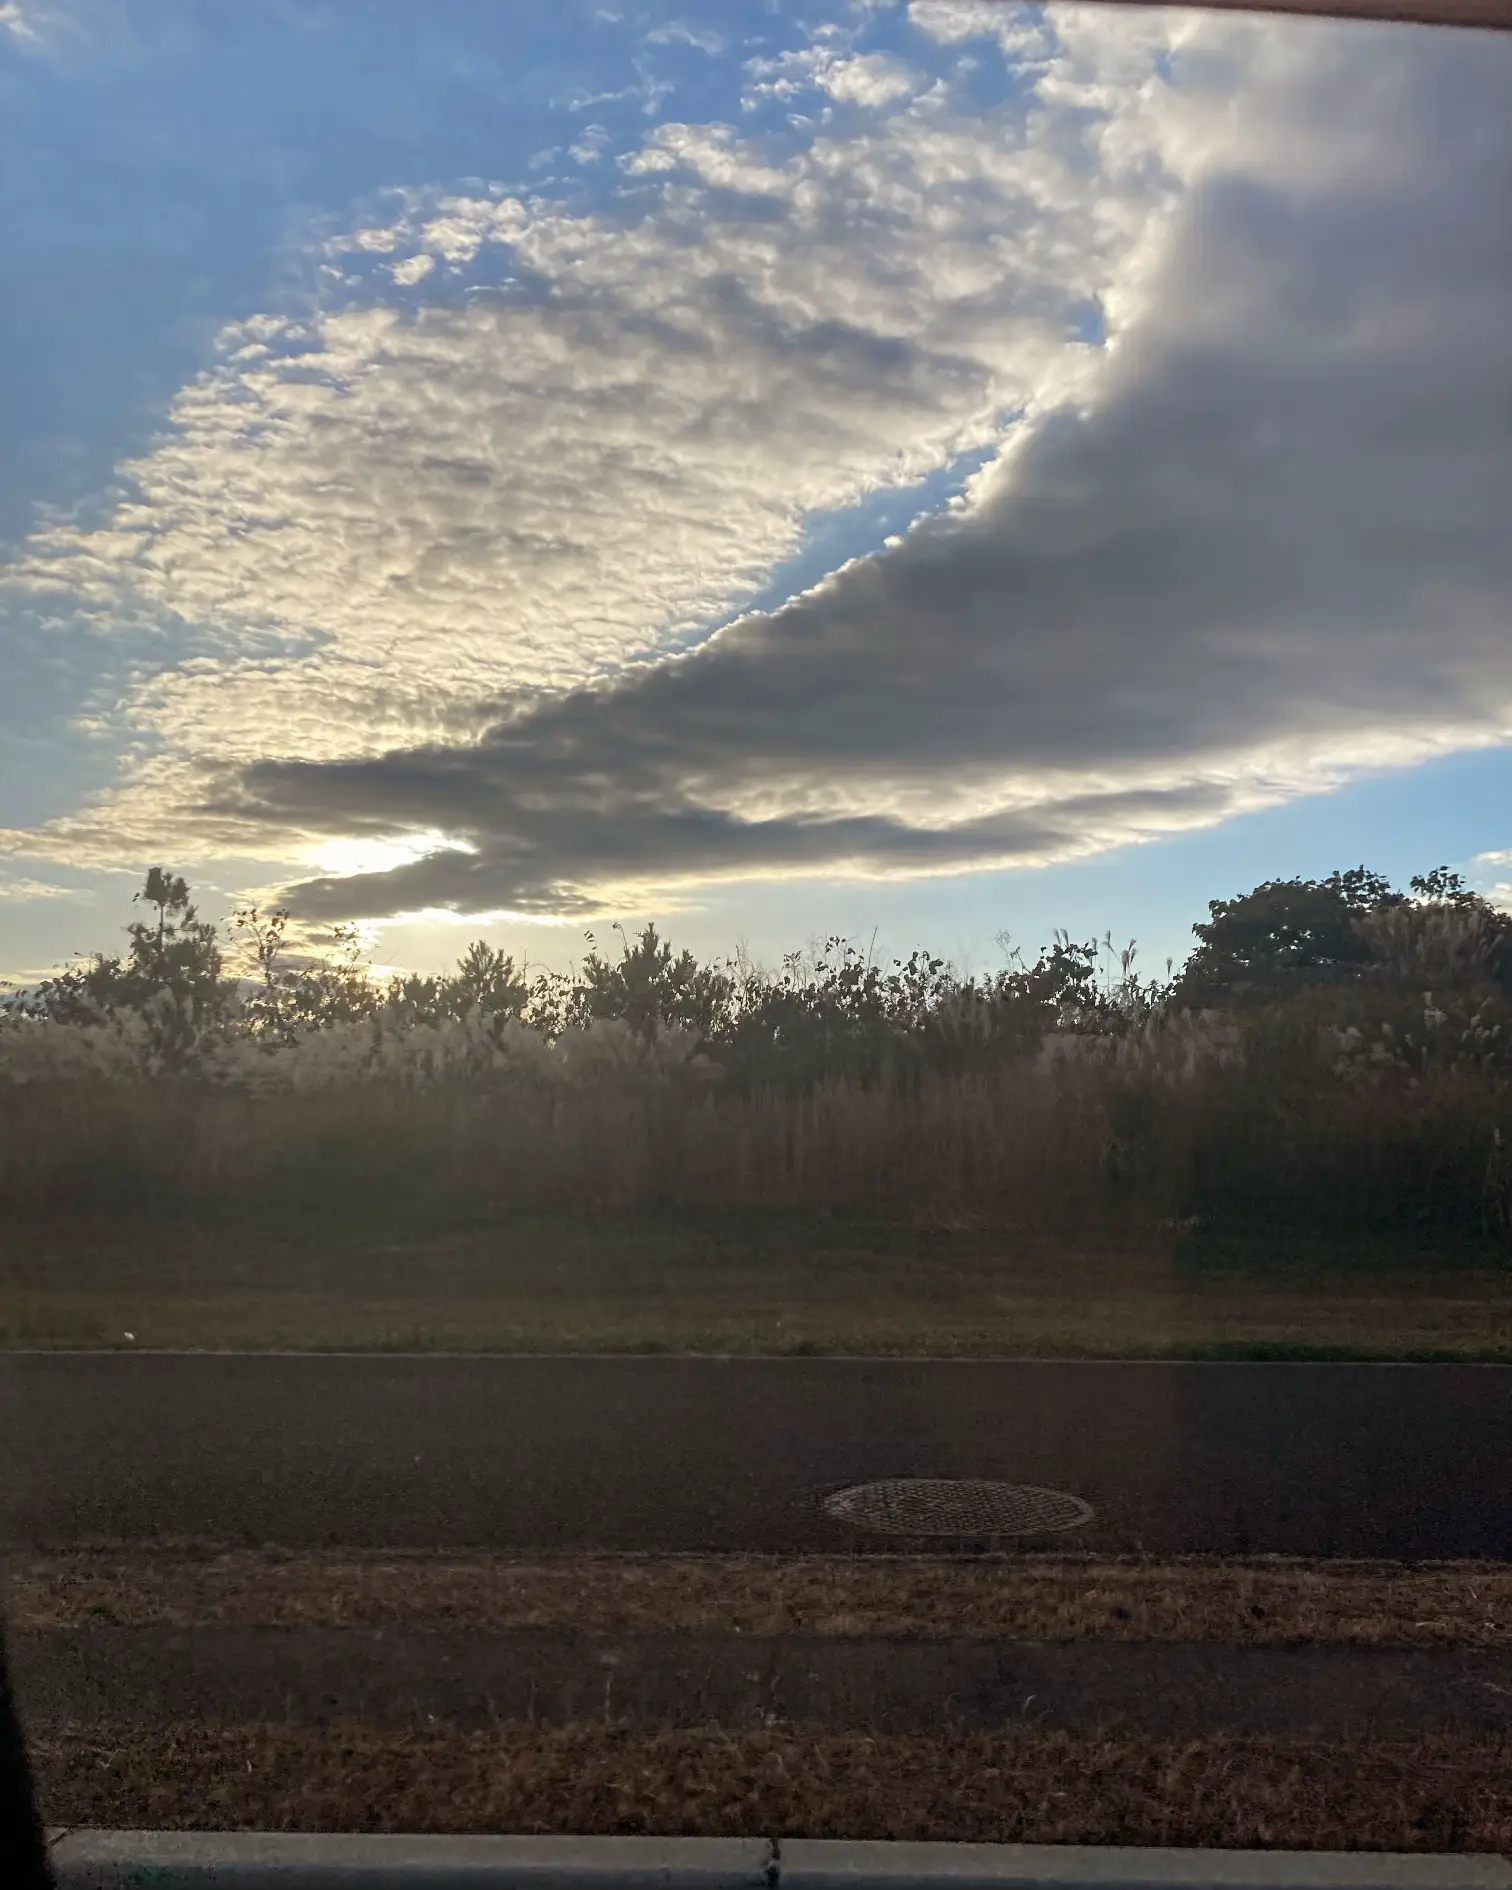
744 1282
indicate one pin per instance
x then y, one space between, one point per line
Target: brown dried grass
1425 1794
1022 1598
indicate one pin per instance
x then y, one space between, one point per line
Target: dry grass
1425 1794
993 1214
952 1145
1434 1793
1278 1138
917 1597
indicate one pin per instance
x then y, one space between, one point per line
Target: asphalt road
709 1454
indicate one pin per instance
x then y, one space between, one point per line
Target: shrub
1054 1093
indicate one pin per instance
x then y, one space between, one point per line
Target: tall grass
1057 1148
1339 1097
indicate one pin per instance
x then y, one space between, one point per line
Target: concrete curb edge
220 1860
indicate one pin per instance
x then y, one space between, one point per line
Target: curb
216 1860
259 1860
828 1864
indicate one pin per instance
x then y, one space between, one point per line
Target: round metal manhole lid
964 1506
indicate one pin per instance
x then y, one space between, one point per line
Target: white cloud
872 79
592 145
1020 31
1499 891
585 101
715 155
679 33
58 27
413 269
23 891
389 522
380 240
828 64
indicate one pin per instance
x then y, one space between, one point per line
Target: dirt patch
1429 1794
1018 1598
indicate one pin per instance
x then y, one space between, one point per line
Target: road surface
668 1454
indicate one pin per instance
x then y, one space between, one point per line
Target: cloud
868 79
1483 867
50 26
14 21
596 433
592 145
1264 550
871 79
679 33
413 269
1017 30
23 891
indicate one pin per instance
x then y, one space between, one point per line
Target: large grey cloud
1270 546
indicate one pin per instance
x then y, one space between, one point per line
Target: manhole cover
967 1506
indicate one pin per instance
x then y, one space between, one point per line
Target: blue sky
918 469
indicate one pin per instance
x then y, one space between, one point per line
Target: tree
1440 886
649 986
1284 933
174 953
293 996
178 951
486 981
485 984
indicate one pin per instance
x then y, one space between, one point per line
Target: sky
913 470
